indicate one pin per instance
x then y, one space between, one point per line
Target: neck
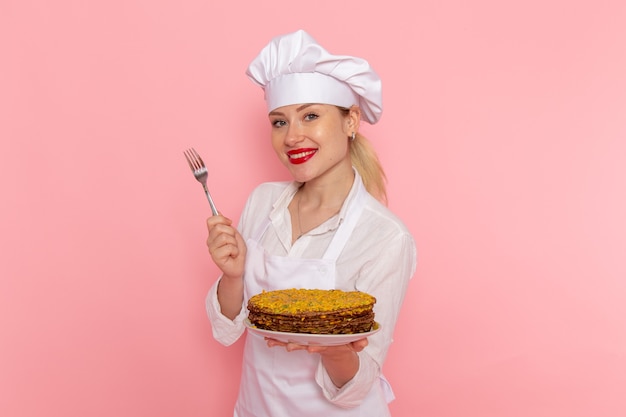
325 193
314 204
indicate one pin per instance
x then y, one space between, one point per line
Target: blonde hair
366 162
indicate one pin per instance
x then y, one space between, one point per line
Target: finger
224 254
273 342
294 346
219 219
220 241
241 244
222 230
223 239
359 345
316 349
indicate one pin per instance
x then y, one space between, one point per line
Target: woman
326 229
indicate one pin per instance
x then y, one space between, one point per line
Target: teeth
301 154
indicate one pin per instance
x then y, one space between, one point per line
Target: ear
353 120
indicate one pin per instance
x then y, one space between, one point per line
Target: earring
353 137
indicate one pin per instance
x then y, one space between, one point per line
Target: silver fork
200 172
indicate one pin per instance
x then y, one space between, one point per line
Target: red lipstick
301 155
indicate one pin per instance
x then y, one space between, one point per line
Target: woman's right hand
226 246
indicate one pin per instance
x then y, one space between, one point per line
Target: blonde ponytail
368 165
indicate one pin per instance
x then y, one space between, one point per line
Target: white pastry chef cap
295 69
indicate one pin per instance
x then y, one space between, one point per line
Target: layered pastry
312 311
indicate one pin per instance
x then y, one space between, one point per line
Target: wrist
340 356
232 278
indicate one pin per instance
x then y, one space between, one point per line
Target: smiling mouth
300 156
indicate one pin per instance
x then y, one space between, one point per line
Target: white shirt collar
280 214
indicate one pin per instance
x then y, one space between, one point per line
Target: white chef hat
295 69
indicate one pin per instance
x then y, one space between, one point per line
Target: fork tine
197 157
188 160
191 160
200 172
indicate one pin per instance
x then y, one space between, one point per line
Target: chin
301 176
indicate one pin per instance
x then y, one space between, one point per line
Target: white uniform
277 383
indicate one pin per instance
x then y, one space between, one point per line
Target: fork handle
211 203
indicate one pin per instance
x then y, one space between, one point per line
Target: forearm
230 296
341 367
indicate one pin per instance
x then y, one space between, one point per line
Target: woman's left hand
355 346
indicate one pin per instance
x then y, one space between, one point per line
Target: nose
294 134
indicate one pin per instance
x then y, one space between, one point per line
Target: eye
278 123
310 116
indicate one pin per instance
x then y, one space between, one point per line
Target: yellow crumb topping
293 300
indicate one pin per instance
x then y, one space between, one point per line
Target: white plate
311 339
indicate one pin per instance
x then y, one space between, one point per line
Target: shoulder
272 186
260 203
267 192
381 229
382 240
380 216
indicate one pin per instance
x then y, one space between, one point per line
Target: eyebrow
277 113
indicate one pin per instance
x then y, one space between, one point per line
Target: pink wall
504 138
